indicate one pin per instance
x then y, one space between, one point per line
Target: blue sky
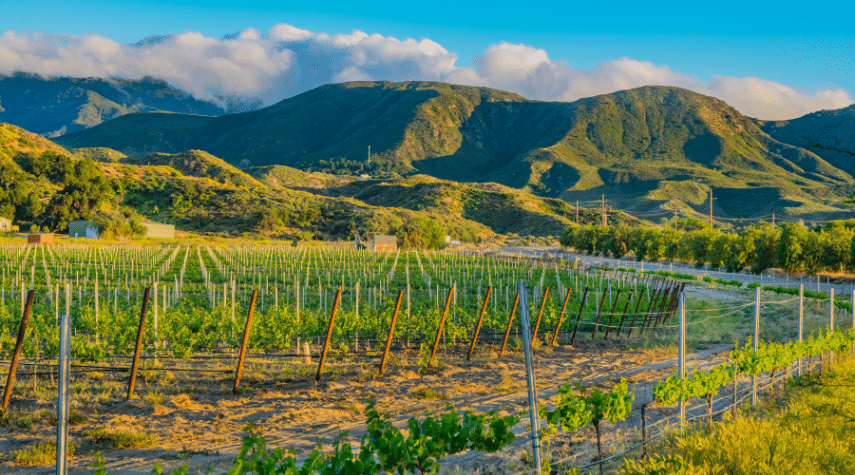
811 51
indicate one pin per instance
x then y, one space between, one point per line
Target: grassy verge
808 431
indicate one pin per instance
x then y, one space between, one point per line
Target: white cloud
529 72
286 61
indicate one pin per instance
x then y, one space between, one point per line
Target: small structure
5 225
83 229
40 238
160 230
385 244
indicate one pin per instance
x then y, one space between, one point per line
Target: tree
791 247
421 233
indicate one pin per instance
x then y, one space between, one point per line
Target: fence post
756 342
561 316
539 314
441 324
133 380
532 390
623 316
329 336
634 314
612 314
681 357
802 320
599 311
831 309
62 397
478 324
13 368
510 321
244 341
579 316
391 331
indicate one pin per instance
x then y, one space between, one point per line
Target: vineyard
199 299
289 315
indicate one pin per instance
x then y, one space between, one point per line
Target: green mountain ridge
48 185
639 147
53 106
828 128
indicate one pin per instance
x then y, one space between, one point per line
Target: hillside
646 149
502 209
48 185
58 105
827 128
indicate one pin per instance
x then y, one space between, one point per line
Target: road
810 282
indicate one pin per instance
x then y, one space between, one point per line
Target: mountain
646 149
829 128
53 106
46 184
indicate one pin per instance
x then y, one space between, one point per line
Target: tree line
790 246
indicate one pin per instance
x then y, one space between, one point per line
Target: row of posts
681 356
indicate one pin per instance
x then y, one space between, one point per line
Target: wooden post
133 380
599 311
561 316
623 316
244 341
634 315
510 321
539 315
647 315
329 336
13 368
612 314
579 316
441 324
391 331
478 323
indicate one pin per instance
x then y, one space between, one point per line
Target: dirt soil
195 418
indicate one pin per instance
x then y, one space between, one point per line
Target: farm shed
385 244
83 229
5 224
160 230
40 238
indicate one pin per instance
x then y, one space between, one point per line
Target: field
185 406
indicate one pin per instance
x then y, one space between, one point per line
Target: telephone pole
773 220
369 155
577 212
710 208
675 220
604 209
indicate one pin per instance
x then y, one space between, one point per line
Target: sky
768 60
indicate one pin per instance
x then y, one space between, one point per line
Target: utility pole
710 208
675 220
577 212
773 220
368 162
604 209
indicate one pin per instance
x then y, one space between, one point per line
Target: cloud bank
286 61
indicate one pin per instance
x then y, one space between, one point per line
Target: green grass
427 394
118 439
806 433
39 454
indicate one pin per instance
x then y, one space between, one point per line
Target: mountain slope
827 128
45 184
58 105
639 147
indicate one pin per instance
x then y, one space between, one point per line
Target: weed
427 394
119 439
39 454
